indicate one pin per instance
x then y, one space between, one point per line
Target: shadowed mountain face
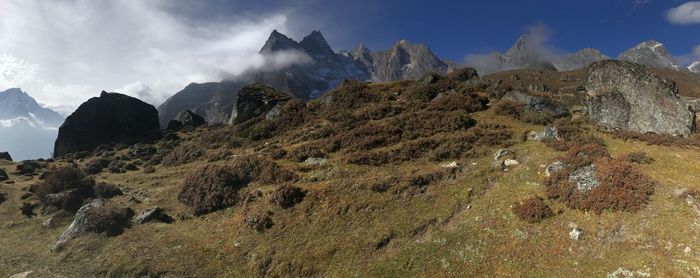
404 60
326 69
27 130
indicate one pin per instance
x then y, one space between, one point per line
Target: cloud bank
688 13
64 52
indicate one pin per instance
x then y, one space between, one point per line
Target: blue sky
455 28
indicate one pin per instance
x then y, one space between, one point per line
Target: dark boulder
3 175
27 167
111 118
535 103
5 156
255 100
186 119
624 95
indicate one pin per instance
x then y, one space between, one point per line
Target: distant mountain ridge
27 130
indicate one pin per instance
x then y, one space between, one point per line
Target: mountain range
27 130
326 69
23 117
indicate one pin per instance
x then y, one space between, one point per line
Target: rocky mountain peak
316 45
16 103
651 53
580 59
694 67
278 41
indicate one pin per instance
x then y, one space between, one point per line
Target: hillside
376 179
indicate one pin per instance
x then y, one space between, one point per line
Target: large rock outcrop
624 95
255 100
109 119
186 119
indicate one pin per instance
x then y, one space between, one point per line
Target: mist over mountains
27 130
311 67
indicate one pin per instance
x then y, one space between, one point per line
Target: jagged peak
278 41
316 44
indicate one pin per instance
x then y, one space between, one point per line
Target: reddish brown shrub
455 101
659 139
110 219
621 187
508 108
302 153
106 190
65 188
184 154
287 196
215 187
637 157
532 209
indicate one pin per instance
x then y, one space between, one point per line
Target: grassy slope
449 230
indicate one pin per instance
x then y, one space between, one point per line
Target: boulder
3 175
624 95
186 118
155 214
25 274
535 103
255 100
584 178
27 167
549 133
98 216
111 118
5 156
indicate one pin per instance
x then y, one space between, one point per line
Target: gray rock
549 133
553 168
109 221
537 103
5 156
315 161
584 178
503 154
25 274
186 118
155 214
623 95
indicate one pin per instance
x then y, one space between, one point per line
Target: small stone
553 168
315 161
511 162
576 233
25 274
450 165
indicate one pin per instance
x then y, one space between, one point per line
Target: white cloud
64 52
688 13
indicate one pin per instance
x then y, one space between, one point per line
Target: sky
63 52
